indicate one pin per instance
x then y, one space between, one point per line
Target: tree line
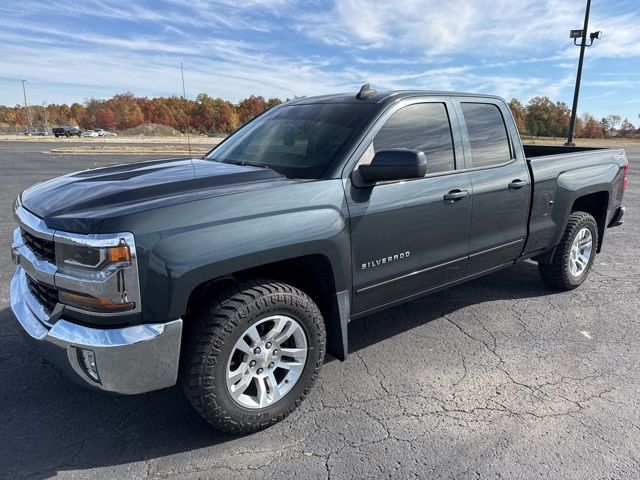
204 114
541 116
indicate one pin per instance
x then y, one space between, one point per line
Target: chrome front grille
42 248
45 295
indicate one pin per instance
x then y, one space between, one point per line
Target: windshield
298 141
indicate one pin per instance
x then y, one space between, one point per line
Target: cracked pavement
497 378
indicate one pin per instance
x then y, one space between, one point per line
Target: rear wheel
252 355
574 256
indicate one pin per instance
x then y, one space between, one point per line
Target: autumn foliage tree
544 117
107 118
214 115
590 128
251 107
519 114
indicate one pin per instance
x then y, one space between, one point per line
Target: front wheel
252 355
574 256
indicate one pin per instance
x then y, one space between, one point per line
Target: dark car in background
66 131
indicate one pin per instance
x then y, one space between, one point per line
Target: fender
212 238
577 183
253 243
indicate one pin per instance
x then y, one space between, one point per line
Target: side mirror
396 164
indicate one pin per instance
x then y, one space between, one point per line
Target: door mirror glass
394 164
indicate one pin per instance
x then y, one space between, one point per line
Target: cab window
422 126
487 134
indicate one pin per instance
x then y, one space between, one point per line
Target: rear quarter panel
562 179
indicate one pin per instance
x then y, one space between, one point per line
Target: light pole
26 108
46 119
582 34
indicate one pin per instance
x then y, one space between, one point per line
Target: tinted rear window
487 134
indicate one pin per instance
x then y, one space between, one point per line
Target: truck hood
78 201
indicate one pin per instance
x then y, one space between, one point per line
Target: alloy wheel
580 254
266 362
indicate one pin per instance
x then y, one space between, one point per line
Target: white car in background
89 133
104 133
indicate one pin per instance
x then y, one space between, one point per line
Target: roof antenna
184 97
365 92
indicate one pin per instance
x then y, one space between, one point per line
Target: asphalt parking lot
497 378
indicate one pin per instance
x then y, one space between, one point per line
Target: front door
406 238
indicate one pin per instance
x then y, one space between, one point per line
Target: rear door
500 182
405 237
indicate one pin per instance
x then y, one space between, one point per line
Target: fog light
87 359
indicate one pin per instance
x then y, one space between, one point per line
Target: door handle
516 184
455 195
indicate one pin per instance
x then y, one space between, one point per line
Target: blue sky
72 51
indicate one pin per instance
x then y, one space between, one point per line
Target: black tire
57 135
211 334
557 274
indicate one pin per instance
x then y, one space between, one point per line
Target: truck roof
382 97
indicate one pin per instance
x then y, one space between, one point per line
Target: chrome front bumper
128 360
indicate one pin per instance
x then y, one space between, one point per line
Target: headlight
83 256
97 273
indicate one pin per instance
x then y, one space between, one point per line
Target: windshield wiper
242 163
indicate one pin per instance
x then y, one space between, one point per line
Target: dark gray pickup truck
234 273
66 131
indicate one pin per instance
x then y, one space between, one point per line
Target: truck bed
531 151
562 174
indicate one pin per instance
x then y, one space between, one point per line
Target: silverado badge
385 260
